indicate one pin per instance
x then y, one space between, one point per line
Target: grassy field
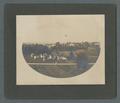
59 71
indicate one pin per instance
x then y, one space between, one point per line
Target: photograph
60 49
61 60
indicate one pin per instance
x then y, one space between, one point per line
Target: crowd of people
49 53
48 58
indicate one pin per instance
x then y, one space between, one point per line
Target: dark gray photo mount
13 91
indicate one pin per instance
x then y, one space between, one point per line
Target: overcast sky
60 28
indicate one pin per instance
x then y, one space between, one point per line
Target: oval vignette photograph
61 60
60 49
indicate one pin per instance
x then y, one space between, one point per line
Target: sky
60 28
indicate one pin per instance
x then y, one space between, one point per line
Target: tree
86 45
82 60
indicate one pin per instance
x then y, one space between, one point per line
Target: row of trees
39 48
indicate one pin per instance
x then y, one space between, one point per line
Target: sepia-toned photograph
60 49
61 60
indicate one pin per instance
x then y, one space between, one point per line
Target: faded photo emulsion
60 49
